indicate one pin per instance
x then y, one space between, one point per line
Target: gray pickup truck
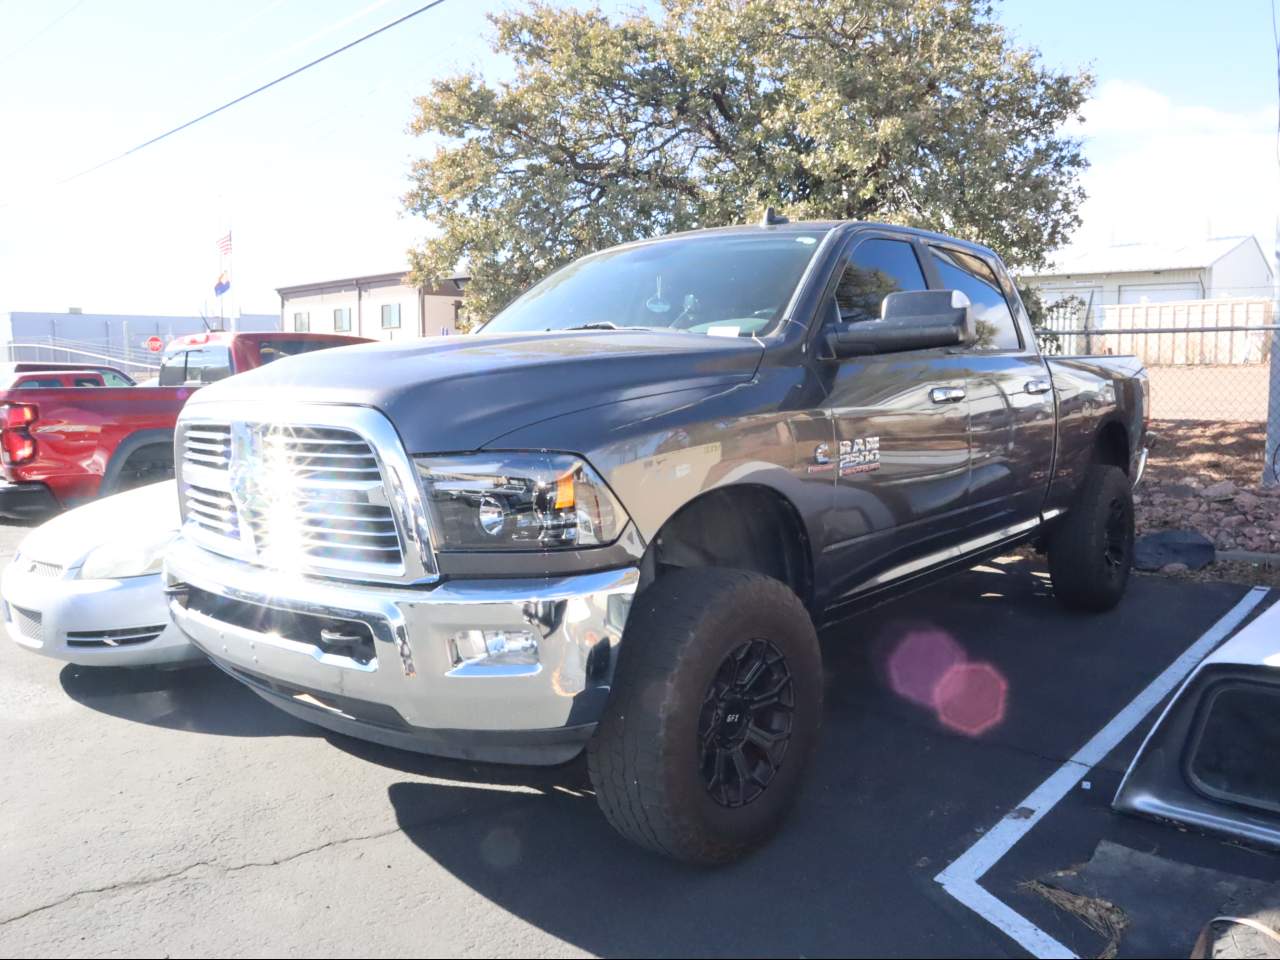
612 519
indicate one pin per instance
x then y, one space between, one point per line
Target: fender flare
126 448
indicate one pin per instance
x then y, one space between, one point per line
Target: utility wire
41 32
254 92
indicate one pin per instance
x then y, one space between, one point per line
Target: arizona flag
223 284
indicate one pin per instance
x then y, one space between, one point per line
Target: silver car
85 587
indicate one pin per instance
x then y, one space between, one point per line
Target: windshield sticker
859 456
723 330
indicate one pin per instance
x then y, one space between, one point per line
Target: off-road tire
1091 548
648 758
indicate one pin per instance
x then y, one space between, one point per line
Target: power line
42 31
254 92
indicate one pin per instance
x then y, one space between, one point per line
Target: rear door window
877 268
975 278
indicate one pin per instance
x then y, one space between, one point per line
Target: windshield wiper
594 325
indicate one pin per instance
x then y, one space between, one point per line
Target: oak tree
613 128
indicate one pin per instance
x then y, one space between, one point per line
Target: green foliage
920 112
1038 313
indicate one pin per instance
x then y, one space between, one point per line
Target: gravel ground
1206 476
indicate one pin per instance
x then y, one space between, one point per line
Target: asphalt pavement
149 813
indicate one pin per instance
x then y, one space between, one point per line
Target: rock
1222 490
1174 568
1192 482
1177 490
1247 501
1157 550
1231 523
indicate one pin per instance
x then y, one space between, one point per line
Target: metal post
1271 463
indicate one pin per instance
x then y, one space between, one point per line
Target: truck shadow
199 699
899 786
851 851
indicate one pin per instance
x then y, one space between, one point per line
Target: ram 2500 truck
65 441
611 520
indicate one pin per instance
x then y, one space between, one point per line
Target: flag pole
222 323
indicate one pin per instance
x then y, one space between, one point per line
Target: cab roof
823 227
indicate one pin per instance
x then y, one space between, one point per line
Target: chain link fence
1214 369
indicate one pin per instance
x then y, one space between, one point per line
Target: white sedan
86 586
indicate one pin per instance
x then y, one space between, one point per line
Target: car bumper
109 623
23 501
405 685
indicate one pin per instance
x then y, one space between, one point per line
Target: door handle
946 394
1039 385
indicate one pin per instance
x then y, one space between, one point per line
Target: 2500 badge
859 456
856 456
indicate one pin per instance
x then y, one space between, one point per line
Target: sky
309 175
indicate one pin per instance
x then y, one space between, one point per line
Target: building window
301 322
342 320
391 316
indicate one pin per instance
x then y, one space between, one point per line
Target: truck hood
458 393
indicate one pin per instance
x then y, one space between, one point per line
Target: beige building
1145 273
381 307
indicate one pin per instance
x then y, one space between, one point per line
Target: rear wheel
1091 548
715 712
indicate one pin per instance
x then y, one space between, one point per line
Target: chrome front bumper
409 689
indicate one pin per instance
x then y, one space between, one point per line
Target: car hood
139 514
458 393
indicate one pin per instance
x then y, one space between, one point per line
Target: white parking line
960 879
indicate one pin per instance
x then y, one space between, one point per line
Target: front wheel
1091 548
716 707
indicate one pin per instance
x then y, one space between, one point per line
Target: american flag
224 245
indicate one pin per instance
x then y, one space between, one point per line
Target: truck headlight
519 501
135 558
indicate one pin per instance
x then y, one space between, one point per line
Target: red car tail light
16 443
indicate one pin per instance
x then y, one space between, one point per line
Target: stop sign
154 344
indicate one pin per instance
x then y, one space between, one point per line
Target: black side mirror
909 320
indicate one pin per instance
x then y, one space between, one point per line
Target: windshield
717 284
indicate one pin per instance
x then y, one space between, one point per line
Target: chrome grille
290 496
207 443
213 510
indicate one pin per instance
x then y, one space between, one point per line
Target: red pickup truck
72 432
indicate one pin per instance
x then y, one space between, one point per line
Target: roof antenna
771 218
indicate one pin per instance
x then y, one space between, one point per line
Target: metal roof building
1132 273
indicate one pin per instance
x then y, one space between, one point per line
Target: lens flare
928 667
970 698
920 659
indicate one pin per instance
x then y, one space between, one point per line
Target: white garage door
1160 292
